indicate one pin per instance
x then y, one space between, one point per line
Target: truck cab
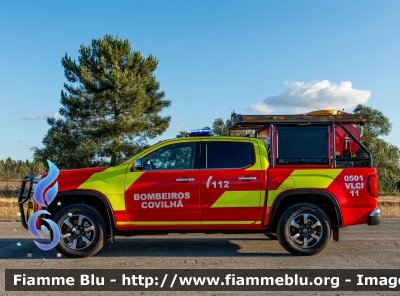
295 178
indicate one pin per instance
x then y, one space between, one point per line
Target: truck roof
257 122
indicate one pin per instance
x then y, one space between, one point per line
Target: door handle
247 178
185 180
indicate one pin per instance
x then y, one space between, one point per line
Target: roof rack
257 122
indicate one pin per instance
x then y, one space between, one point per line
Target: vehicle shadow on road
23 248
14 248
173 247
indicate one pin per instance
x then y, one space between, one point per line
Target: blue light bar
200 132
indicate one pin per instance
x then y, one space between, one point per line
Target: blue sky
250 56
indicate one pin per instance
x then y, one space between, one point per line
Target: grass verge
9 208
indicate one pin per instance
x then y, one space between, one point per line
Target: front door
166 192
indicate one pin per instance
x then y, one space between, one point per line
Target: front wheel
304 229
82 231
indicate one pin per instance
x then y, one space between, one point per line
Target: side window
229 155
302 145
172 157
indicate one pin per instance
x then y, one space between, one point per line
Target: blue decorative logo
44 202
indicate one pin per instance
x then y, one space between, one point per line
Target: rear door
231 183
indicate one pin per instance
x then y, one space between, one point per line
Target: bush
9 191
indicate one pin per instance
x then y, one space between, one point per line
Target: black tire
304 229
82 231
271 236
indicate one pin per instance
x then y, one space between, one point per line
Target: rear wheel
304 229
82 231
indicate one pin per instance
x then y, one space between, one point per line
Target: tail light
373 185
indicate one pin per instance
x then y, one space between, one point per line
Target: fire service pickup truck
294 178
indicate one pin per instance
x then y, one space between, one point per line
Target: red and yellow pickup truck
297 178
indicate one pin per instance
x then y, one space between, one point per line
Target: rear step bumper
375 217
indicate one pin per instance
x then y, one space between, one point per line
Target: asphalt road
360 247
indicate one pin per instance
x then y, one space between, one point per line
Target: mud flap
112 234
111 227
335 231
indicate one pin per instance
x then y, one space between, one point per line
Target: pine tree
109 108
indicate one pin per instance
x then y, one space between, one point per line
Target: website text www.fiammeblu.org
202 280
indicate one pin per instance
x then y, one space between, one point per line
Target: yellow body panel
111 182
235 199
305 178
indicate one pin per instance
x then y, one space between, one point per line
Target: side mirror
138 163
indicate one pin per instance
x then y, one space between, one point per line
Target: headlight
35 181
34 185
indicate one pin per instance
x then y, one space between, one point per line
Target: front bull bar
23 197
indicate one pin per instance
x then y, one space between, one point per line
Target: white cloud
179 127
261 108
303 97
42 117
35 117
57 115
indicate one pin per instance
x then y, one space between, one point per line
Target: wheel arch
91 198
321 198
